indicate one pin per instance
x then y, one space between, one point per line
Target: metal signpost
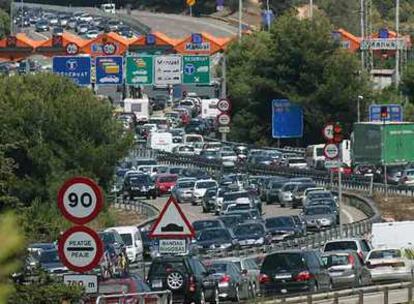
173 228
76 68
224 106
196 69
109 70
139 70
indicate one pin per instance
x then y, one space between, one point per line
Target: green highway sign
196 69
139 70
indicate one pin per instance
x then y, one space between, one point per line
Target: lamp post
359 99
240 19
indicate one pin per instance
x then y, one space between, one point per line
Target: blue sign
287 119
395 112
76 68
109 70
196 38
189 69
150 39
267 17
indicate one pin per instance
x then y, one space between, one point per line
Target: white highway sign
167 69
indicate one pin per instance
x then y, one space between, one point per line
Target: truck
209 108
393 234
139 106
378 143
161 141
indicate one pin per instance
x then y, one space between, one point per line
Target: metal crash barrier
153 297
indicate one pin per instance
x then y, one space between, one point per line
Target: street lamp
240 19
360 98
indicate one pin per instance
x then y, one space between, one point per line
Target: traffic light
384 112
337 133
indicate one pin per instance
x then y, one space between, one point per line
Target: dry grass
116 217
398 208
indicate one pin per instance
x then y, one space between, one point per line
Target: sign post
224 106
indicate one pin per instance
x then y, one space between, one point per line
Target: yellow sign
191 2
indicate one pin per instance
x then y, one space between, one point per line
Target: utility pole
11 17
397 53
362 33
340 203
240 18
310 9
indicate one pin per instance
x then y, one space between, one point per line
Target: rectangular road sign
196 69
109 70
225 129
89 282
77 68
167 69
139 70
169 246
332 164
287 119
395 112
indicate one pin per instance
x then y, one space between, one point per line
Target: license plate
283 276
156 284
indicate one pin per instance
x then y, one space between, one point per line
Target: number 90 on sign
80 200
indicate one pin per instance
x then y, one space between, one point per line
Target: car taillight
303 276
225 279
191 284
264 278
351 260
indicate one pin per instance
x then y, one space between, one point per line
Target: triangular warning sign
172 223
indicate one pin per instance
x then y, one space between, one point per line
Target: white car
285 194
91 34
200 188
390 264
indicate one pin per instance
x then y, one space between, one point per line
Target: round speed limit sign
80 200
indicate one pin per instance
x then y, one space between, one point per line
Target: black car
281 227
215 238
206 224
231 221
186 277
251 234
207 201
159 102
293 271
136 185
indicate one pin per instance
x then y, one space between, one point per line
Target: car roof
121 229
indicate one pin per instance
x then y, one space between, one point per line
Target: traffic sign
109 48
172 223
167 69
72 48
332 164
87 281
191 2
224 105
139 70
394 112
76 68
328 131
331 151
109 70
80 200
80 249
168 246
225 129
224 119
196 69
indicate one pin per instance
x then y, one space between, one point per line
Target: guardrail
127 19
161 297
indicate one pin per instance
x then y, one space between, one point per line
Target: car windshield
205 185
319 195
167 267
193 139
238 207
297 161
249 230
209 153
385 254
214 234
167 179
127 238
341 245
289 187
137 179
219 267
229 220
205 224
186 184
279 222
317 210
107 238
233 196
283 261
335 260
50 256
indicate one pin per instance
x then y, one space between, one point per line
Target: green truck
378 143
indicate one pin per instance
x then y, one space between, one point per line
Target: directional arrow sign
80 249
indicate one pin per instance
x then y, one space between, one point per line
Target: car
205 224
138 184
49 261
299 193
346 269
164 183
318 217
57 31
232 220
251 233
208 201
281 228
389 264
293 271
285 194
182 190
272 189
186 277
184 150
407 177
200 188
360 245
232 284
132 239
316 195
215 238
91 34
324 202
42 26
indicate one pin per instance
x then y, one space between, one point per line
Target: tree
299 61
4 23
52 130
407 82
343 14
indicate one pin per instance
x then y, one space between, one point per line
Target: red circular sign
80 200
72 48
224 119
109 48
224 105
80 249
328 131
331 151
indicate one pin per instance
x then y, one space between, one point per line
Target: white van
314 156
209 108
140 107
133 242
162 141
108 8
195 140
345 152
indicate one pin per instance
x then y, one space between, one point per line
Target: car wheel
315 287
175 280
202 297
237 296
330 286
154 196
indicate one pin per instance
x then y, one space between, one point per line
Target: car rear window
167 267
341 245
284 261
385 254
219 267
336 260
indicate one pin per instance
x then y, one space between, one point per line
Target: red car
164 183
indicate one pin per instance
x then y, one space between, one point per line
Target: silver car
183 190
318 217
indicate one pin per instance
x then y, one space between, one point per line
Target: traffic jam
169 259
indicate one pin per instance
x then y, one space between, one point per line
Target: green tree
343 14
4 23
299 61
407 82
